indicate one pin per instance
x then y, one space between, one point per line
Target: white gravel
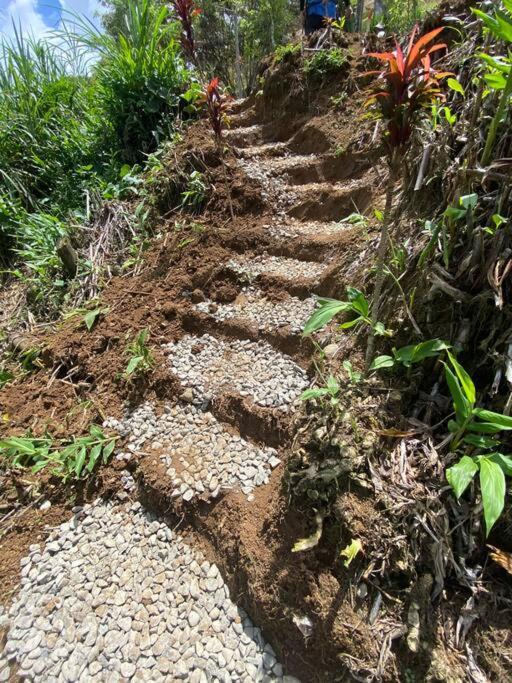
290 228
277 266
210 367
201 457
116 595
252 306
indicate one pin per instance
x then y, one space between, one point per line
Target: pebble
277 266
270 316
105 645
211 366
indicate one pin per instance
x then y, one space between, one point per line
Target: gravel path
117 595
277 266
200 456
252 306
210 367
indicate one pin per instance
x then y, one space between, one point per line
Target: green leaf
461 474
469 201
492 484
454 84
80 460
480 441
460 402
134 364
503 421
358 301
332 385
504 461
108 450
351 323
379 215
96 432
484 427
39 466
326 311
351 551
418 353
26 446
465 380
93 456
379 330
313 393
382 362
91 317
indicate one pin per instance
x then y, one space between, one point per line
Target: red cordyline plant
411 85
186 10
215 101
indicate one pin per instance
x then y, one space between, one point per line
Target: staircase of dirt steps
116 594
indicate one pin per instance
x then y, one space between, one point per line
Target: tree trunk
381 259
359 15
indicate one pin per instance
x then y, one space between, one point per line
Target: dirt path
116 594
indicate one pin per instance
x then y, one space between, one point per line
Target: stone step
210 367
116 595
291 228
200 457
251 267
252 307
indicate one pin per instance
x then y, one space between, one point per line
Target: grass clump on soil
66 459
285 52
325 63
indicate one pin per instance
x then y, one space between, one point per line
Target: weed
141 358
283 52
5 377
338 101
330 391
410 355
67 460
195 194
325 63
357 304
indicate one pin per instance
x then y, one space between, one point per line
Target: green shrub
325 62
284 51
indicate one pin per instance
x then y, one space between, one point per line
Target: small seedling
357 304
141 359
409 355
331 391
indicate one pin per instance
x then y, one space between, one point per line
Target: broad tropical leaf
492 484
461 474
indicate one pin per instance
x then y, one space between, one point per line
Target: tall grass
73 110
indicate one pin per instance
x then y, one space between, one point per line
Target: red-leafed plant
215 101
411 84
186 10
406 87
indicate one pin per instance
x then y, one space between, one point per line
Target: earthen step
251 267
252 307
330 201
247 136
199 456
210 367
270 149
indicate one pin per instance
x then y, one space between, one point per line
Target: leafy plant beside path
66 459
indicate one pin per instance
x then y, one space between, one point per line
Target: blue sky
40 16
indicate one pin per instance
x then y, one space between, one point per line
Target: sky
38 17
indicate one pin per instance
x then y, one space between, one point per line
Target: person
316 12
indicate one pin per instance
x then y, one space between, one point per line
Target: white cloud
24 13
